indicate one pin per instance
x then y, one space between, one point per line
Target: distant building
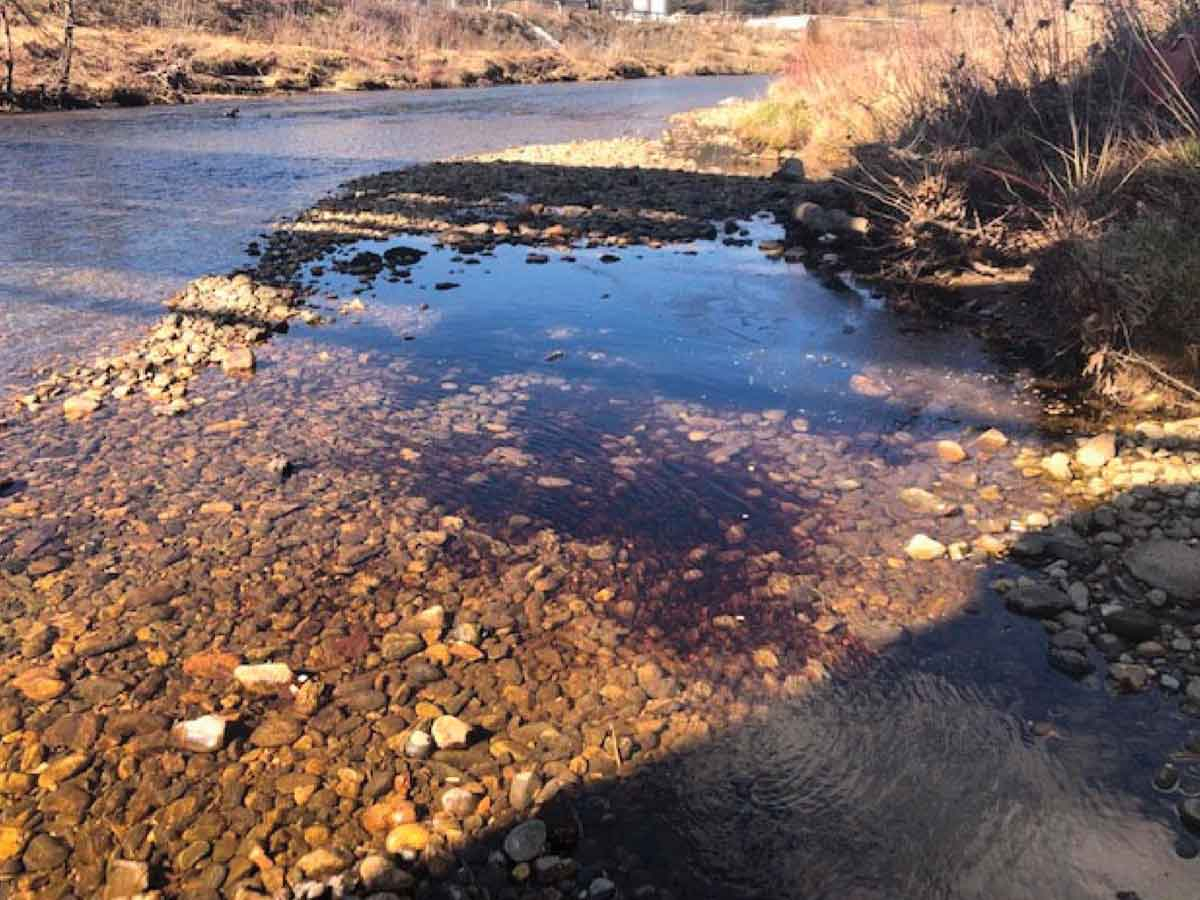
654 9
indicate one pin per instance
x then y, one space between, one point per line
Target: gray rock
1189 813
526 842
1171 566
1070 662
1069 639
812 217
1061 543
1040 601
1110 645
791 169
1132 624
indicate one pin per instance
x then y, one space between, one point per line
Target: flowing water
687 408
104 213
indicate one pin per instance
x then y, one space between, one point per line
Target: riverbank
128 65
1030 172
297 607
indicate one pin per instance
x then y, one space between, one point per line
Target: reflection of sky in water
129 204
720 324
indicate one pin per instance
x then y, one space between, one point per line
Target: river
104 213
633 507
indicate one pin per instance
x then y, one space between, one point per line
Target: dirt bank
125 64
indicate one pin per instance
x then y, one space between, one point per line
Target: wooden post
64 79
8 93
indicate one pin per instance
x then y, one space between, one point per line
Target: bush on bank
1056 136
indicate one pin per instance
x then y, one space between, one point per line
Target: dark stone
1132 624
1070 662
1040 601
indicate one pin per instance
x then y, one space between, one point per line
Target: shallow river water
642 455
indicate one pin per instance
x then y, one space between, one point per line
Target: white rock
263 676
1095 452
203 735
1057 466
450 733
418 746
923 547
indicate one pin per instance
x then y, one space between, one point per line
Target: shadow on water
733 496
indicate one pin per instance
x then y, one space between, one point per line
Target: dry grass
161 52
1055 133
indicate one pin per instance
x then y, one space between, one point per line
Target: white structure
653 9
781 23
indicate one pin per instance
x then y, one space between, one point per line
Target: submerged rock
1172 566
203 735
922 547
263 677
527 841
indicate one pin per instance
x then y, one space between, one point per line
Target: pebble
125 878
526 842
80 406
1057 466
238 360
378 874
44 852
1038 600
924 548
950 451
523 789
203 735
1098 451
322 862
991 441
263 677
1167 778
450 733
418 746
411 837
1189 813
276 731
459 802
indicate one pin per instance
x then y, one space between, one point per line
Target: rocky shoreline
246 655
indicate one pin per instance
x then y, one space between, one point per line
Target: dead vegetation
132 52
1056 138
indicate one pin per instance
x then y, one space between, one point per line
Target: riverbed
590 467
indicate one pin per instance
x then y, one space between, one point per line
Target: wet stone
1132 624
450 733
1040 601
526 842
1189 814
1169 565
125 878
275 731
44 852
